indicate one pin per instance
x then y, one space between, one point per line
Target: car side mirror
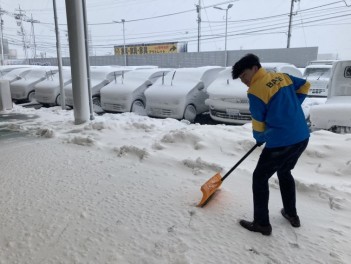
201 87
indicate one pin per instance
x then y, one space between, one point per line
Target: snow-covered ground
123 189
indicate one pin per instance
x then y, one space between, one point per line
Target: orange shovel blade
209 188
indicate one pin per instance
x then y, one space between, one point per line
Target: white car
127 95
99 77
23 89
181 94
48 91
228 101
335 114
318 76
15 74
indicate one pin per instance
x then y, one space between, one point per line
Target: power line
192 10
257 27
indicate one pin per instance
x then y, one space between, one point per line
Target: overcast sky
252 24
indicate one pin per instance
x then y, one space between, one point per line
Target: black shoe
294 220
254 227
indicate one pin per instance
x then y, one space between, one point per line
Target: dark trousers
281 160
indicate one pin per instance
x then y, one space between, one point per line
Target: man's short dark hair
246 62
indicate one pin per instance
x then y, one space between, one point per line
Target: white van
127 95
48 91
181 94
228 101
318 73
335 114
99 77
23 89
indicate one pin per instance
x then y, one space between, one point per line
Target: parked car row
181 93
176 93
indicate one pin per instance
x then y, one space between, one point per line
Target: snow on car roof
143 73
321 66
224 84
322 62
134 79
14 73
192 75
181 81
106 72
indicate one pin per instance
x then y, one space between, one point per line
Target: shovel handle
238 163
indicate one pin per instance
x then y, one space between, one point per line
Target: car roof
316 66
322 62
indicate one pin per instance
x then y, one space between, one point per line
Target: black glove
259 143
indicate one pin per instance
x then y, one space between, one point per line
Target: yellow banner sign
147 49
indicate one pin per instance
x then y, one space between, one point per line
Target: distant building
12 54
328 56
152 48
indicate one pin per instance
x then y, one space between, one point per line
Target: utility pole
19 18
198 10
2 36
32 21
290 21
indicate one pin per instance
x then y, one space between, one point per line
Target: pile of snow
123 189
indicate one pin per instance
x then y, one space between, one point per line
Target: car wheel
190 113
97 105
31 96
138 108
96 101
58 99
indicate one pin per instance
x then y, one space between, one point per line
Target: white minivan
128 94
23 89
335 114
48 91
99 77
181 94
318 73
228 101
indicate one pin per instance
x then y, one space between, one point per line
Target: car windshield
317 72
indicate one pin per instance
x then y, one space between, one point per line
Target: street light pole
124 44
226 29
2 37
124 40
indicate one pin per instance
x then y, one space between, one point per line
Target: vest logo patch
274 81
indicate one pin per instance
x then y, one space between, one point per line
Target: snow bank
123 189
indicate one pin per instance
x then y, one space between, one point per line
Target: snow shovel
213 184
